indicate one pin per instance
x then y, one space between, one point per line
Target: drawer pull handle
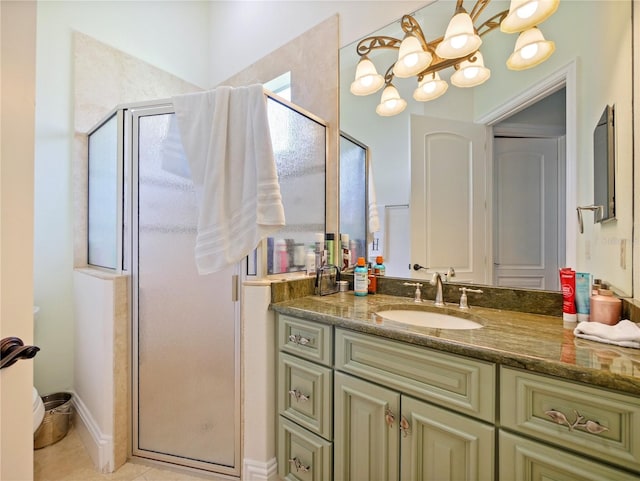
299 466
389 417
404 427
593 427
299 397
300 340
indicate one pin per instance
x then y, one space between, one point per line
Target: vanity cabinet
354 406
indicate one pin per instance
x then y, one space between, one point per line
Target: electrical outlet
623 253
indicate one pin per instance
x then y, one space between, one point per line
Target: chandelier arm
369 44
492 23
478 8
442 63
411 26
388 76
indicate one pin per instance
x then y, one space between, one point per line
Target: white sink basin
435 320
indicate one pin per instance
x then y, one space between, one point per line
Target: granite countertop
537 343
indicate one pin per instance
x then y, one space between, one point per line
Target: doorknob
12 349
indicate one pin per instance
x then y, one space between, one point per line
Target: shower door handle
12 349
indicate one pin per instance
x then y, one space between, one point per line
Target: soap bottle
360 279
379 268
605 307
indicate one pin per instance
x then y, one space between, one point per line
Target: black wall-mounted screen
604 165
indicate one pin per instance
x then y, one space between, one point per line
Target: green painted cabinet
437 444
366 434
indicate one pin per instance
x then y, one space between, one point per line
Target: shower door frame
133 113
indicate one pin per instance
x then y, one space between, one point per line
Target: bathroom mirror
604 165
589 84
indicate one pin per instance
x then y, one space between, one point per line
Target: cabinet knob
298 396
593 427
404 427
389 417
299 466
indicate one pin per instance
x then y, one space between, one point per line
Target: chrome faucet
436 280
417 296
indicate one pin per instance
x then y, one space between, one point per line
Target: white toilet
38 405
38 410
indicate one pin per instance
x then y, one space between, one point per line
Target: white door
448 198
16 226
527 213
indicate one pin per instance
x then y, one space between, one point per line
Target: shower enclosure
186 403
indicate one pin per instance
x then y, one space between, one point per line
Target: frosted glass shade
367 80
430 88
524 14
460 38
391 103
470 74
412 58
531 50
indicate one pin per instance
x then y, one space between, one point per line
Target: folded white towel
625 333
225 134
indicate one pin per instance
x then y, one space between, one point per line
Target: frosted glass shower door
186 336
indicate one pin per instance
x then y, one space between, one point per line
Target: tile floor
67 460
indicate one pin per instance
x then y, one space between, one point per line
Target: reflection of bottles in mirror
379 268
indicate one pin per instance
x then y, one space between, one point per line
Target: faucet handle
451 272
417 297
463 297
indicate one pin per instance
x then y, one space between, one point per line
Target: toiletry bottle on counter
605 307
373 281
346 253
379 268
310 262
360 278
320 253
330 246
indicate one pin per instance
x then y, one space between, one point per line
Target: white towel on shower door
226 137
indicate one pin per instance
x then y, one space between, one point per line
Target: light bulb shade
368 80
531 50
470 74
412 58
430 88
524 14
460 38
390 103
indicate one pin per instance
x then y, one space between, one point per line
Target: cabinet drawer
307 339
522 458
305 393
597 422
456 382
302 455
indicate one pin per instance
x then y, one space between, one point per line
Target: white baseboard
259 471
98 445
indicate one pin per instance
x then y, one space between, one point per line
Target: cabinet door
440 445
366 433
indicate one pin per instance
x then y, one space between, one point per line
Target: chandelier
459 48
